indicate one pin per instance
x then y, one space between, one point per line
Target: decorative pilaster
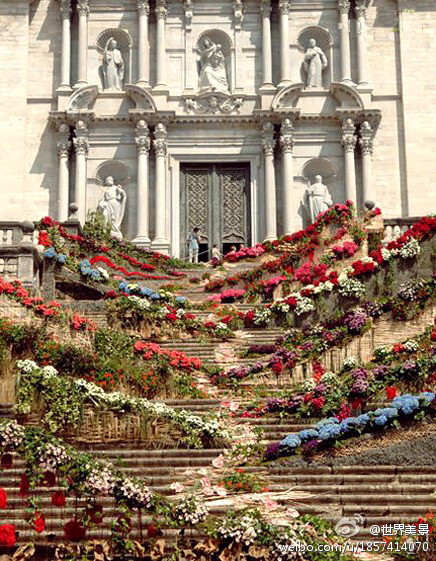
360 9
268 144
143 45
190 72
349 140
81 146
66 45
142 192
160 243
366 144
238 12
284 8
82 48
161 16
344 8
63 146
266 44
287 146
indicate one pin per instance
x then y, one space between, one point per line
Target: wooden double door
216 199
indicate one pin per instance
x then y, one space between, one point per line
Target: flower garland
329 431
32 380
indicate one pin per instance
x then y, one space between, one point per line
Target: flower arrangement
61 413
330 430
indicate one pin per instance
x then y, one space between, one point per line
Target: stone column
66 44
266 44
349 140
142 194
367 146
360 8
160 147
287 146
268 144
161 62
344 8
64 145
81 146
82 44
143 46
284 6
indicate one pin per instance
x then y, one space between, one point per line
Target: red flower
277 367
3 498
95 513
398 348
44 239
152 531
24 485
318 402
74 531
7 535
391 392
49 478
47 221
39 522
6 461
344 412
58 499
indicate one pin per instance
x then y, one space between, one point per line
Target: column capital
161 9
268 141
65 9
366 141
343 6
143 7
265 7
361 7
83 7
80 140
63 144
160 140
284 7
142 137
238 12
287 136
349 137
189 11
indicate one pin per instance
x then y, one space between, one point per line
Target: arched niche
218 37
318 166
82 99
124 45
324 41
114 168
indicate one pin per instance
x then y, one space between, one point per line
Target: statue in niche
112 205
213 77
314 63
317 198
112 66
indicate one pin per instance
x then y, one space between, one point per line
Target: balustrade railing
395 227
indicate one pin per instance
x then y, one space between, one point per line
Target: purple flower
359 387
309 446
272 451
380 371
359 374
355 321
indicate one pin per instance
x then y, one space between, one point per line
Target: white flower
177 487
410 249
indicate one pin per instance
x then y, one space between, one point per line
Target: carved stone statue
213 77
317 198
112 205
314 63
112 66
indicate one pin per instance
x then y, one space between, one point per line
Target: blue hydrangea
61 258
389 412
381 420
308 434
95 274
122 285
362 420
427 397
180 299
329 432
145 291
329 421
155 296
50 253
291 441
347 424
407 404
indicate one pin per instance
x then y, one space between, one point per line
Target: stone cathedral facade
215 114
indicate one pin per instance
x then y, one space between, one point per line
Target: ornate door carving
215 198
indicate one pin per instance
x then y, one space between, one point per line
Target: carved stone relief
213 104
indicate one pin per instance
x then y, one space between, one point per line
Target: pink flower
234 406
218 462
292 513
225 404
177 487
269 504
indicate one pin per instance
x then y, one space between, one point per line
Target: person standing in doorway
193 246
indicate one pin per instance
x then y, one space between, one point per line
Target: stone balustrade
395 227
19 258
